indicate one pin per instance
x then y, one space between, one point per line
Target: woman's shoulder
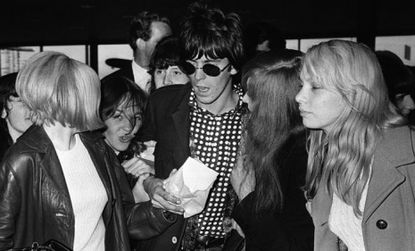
294 149
397 144
20 159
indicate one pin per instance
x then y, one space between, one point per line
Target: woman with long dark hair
121 108
271 167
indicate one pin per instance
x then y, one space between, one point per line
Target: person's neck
226 102
14 134
62 137
142 60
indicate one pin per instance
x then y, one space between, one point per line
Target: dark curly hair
211 33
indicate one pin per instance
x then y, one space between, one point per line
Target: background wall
106 21
96 27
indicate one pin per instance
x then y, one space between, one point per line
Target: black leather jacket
35 203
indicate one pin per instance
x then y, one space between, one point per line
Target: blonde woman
360 177
59 182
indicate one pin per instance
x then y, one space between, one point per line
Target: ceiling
30 22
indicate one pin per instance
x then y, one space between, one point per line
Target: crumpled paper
191 183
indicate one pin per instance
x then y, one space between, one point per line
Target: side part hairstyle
209 32
140 26
59 89
120 91
341 158
272 80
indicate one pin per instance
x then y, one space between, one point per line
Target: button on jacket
35 203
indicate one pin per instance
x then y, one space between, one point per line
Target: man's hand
154 188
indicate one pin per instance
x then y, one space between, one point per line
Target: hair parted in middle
272 80
341 158
209 32
59 89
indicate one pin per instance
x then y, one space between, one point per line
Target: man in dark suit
202 119
146 30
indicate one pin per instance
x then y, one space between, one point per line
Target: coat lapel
385 178
181 123
385 170
49 161
97 153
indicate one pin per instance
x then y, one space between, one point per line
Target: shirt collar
141 76
240 106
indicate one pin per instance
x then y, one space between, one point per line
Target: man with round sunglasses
202 119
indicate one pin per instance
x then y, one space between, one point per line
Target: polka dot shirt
214 140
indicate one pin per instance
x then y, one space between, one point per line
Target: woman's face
319 107
170 76
122 127
405 103
17 116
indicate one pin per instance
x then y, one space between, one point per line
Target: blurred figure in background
400 82
14 113
272 164
262 36
166 65
146 30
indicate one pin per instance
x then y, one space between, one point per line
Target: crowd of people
313 151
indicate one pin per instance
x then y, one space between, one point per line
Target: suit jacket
5 139
126 72
35 204
389 214
167 122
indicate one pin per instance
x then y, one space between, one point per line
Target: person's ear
233 71
140 43
4 113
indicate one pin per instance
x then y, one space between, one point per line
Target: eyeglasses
209 69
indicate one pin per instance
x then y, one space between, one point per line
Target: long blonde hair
340 158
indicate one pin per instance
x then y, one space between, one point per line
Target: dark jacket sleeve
143 220
147 131
9 205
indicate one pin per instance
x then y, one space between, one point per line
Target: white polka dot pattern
215 141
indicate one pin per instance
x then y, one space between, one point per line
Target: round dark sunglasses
209 69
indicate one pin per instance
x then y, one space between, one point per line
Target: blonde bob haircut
57 88
340 159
